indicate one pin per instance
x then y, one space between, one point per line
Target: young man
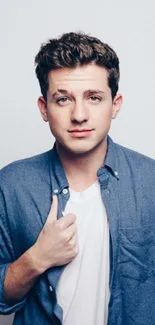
87 258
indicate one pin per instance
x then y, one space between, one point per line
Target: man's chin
77 151
80 148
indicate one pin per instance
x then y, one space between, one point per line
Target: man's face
79 107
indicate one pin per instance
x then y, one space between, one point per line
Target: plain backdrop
128 26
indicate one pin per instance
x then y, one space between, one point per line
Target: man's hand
57 242
56 245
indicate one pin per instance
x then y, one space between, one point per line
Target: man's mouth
80 132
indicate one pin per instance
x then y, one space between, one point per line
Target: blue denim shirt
127 182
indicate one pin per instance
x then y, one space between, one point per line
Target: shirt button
50 288
56 191
65 191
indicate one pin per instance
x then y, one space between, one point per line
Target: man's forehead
94 76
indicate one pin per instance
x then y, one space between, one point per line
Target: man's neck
81 170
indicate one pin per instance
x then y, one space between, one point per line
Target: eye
62 100
95 99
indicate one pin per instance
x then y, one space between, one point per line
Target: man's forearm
21 276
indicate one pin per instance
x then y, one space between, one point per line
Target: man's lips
80 132
83 130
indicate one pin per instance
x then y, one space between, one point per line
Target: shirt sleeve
6 258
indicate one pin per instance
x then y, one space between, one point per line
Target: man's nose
79 112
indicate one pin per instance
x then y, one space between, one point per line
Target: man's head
78 76
73 50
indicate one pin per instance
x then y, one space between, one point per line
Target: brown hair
73 50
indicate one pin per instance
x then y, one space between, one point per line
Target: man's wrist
34 261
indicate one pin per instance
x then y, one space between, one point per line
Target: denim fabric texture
127 182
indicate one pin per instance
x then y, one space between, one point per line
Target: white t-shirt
83 288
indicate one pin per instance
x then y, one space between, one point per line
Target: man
87 258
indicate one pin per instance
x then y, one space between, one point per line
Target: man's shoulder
135 159
23 168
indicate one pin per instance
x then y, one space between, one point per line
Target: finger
71 231
54 210
67 220
73 242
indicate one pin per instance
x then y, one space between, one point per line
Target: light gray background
128 26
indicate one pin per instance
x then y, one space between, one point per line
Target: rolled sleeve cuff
5 308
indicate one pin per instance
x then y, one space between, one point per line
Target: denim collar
111 157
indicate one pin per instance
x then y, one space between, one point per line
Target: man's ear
117 102
43 108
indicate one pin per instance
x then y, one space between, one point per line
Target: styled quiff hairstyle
73 50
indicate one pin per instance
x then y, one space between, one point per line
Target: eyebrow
86 92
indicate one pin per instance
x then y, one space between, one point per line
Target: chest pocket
137 252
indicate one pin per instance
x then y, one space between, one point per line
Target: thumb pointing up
53 211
